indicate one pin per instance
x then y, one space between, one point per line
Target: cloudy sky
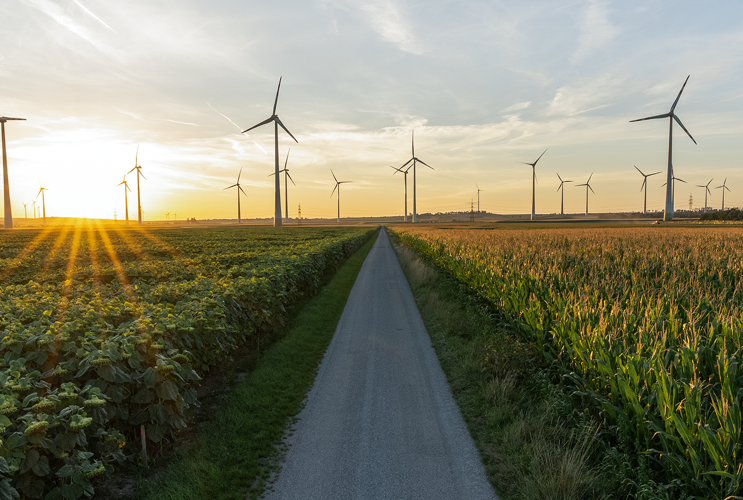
485 84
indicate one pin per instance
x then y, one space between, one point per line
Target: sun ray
120 273
54 251
18 260
174 252
72 260
95 267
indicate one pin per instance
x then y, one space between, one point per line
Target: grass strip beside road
236 451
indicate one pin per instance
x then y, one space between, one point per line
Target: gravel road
380 421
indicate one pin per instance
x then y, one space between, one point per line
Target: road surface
380 421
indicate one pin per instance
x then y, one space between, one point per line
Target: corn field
644 325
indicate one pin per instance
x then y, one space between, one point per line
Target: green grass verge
236 451
534 444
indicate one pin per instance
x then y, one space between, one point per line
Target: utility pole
299 215
691 202
472 211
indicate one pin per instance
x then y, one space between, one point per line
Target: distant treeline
732 214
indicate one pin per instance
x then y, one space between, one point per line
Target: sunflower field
104 334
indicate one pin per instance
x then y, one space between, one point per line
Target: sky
485 85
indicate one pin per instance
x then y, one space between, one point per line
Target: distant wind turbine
25 211
126 198
706 191
287 177
562 195
405 175
167 215
588 186
34 202
645 187
338 187
724 187
415 160
239 188
668 216
138 168
6 186
478 197
673 187
43 203
276 123
533 183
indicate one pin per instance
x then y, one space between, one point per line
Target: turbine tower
668 215
706 191
34 202
645 187
43 203
6 187
533 183
478 197
405 175
286 186
673 187
239 188
415 160
588 186
138 168
338 187
25 211
724 187
562 196
126 198
276 123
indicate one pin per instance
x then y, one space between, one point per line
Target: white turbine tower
706 191
6 186
533 183
239 189
645 187
562 196
338 187
276 123
405 176
415 160
723 187
673 187
588 186
668 216
478 197
287 178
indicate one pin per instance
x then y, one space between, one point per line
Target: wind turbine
138 168
707 191
286 186
668 216
673 187
43 203
414 160
724 187
34 202
276 122
562 196
6 186
588 186
478 197
338 187
25 211
126 198
405 175
167 215
645 187
239 188
533 183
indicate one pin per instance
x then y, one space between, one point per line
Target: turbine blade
558 176
286 130
225 189
679 96
639 170
540 157
287 158
727 188
426 164
558 188
130 189
132 170
267 120
589 178
334 177
120 183
396 170
336 186
136 156
412 144
290 178
589 187
663 184
654 173
644 183
665 115
677 179
403 165
241 189
277 95
140 173
682 126
239 174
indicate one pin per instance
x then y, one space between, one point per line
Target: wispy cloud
516 107
596 30
90 13
182 123
389 22
238 128
56 12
